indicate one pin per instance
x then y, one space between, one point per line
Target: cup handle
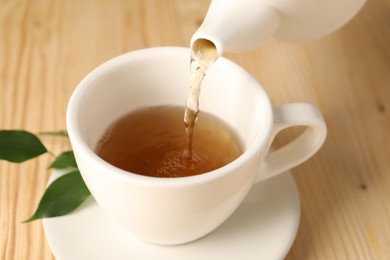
301 148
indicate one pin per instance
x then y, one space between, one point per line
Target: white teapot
238 25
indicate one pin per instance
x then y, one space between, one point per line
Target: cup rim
80 146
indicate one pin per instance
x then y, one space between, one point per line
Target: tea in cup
177 209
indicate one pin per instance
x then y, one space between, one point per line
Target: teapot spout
233 25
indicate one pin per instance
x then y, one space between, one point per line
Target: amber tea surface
151 141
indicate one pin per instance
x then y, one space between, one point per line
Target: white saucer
263 227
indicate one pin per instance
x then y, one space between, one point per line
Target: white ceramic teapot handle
299 149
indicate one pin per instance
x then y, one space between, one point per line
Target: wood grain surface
46 47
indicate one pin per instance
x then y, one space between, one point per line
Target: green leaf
63 196
63 133
19 145
64 160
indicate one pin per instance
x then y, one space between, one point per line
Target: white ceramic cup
179 210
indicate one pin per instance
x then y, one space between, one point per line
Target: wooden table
46 47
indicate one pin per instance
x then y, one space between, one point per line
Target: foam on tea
151 141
